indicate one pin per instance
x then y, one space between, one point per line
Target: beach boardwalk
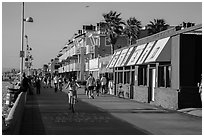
49 114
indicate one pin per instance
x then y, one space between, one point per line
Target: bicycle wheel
72 104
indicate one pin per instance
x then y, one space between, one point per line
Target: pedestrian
200 89
90 84
55 82
45 81
60 83
49 82
65 80
72 92
98 86
103 84
24 83
38 85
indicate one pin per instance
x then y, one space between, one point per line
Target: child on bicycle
72 92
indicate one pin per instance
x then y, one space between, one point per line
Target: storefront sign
121 57
146 52
114 59
93 64
159 46
135 56
126 57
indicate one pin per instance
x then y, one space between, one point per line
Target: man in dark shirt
24 83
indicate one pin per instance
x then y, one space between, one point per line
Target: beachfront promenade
49 114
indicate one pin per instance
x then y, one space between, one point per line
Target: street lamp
22 54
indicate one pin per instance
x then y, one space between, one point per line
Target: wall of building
166 97
190 70
141 94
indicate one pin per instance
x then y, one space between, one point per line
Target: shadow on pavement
32 122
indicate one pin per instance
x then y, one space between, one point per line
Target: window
142 75
120 77
164 73
110 76
127 77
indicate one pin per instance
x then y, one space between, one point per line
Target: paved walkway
48 114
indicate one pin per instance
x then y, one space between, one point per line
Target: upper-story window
97 41
107 41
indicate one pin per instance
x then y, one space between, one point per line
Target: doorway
152 81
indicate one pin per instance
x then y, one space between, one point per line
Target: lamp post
22 53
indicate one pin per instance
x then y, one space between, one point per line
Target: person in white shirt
103 84
90 84
55 82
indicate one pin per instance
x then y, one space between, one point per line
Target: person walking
24 83
98 86
103 84
38 85
60 83
90 84
55 82
49 82
45 81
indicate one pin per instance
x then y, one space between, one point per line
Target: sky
56 22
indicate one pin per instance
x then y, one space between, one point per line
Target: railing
13 121
74 67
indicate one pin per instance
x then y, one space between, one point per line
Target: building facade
162 69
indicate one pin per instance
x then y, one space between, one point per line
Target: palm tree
156 26
113 26
132 29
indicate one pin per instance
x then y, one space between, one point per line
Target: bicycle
72 99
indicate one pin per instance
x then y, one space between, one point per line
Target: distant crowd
35 83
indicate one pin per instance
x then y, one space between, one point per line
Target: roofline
163 34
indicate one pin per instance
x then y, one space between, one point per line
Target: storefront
107 72
162 69
94 67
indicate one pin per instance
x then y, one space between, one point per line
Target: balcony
89 49
74 67
74 51
77 50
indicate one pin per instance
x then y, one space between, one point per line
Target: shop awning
160 52
111 60
125 60
121 57
145 52
115 58
136 54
